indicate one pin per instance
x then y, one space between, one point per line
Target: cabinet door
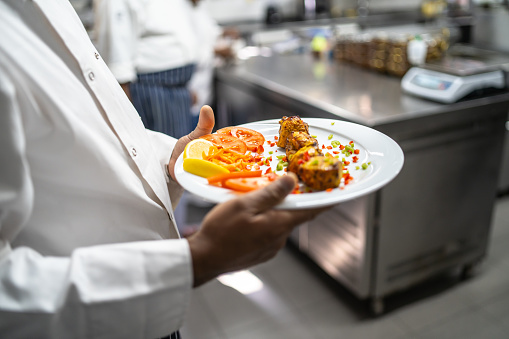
437 213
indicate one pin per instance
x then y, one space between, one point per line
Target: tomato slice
247 184
253 139
226 141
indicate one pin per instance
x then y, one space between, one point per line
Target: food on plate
197 149
321 172
243 181
203 168
298 140
288 125
226 141
221 178
301 156
231 159
253 139
305 157
234 158
248 184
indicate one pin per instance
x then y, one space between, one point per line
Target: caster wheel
470 270
377 306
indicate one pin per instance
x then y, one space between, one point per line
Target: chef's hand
205 125
245 231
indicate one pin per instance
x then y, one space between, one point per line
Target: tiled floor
299 301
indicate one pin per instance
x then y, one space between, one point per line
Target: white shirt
84 199
207 32
144 36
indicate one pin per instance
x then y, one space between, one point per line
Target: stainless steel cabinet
433 217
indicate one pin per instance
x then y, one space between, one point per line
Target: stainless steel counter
328 89
434 217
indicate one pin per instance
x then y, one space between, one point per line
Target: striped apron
163 100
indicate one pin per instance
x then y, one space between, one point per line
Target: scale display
431 82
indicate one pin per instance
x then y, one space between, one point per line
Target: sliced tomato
253 139
226 141
247 184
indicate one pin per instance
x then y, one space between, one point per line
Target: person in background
88 243
216 46
151 48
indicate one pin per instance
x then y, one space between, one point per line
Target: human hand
245 231
205 125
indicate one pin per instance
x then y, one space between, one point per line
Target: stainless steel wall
490 31
491 27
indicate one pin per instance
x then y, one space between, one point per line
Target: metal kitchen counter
433 217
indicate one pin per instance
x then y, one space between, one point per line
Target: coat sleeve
126 290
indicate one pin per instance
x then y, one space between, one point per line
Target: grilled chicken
321 173
305 157
298 140
300 157
288 125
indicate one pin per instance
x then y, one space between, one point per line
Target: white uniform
144 36
85 213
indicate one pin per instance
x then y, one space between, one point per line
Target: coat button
96 55
133 152
91 76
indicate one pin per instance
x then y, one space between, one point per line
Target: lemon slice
203 168
195 148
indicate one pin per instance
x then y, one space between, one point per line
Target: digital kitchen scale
463 71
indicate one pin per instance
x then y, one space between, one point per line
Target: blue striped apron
163 100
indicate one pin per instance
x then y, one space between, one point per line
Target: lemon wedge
195 148
203 168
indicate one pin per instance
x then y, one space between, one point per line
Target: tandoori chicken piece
288 125
298 140
302 156
321 172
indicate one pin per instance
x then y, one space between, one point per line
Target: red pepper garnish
329 147
356 151
355 159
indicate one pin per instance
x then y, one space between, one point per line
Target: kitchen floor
298 301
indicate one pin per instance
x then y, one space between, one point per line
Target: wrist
202 262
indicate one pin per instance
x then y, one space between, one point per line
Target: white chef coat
88 246
144 36
207 32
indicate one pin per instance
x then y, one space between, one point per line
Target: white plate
383 154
